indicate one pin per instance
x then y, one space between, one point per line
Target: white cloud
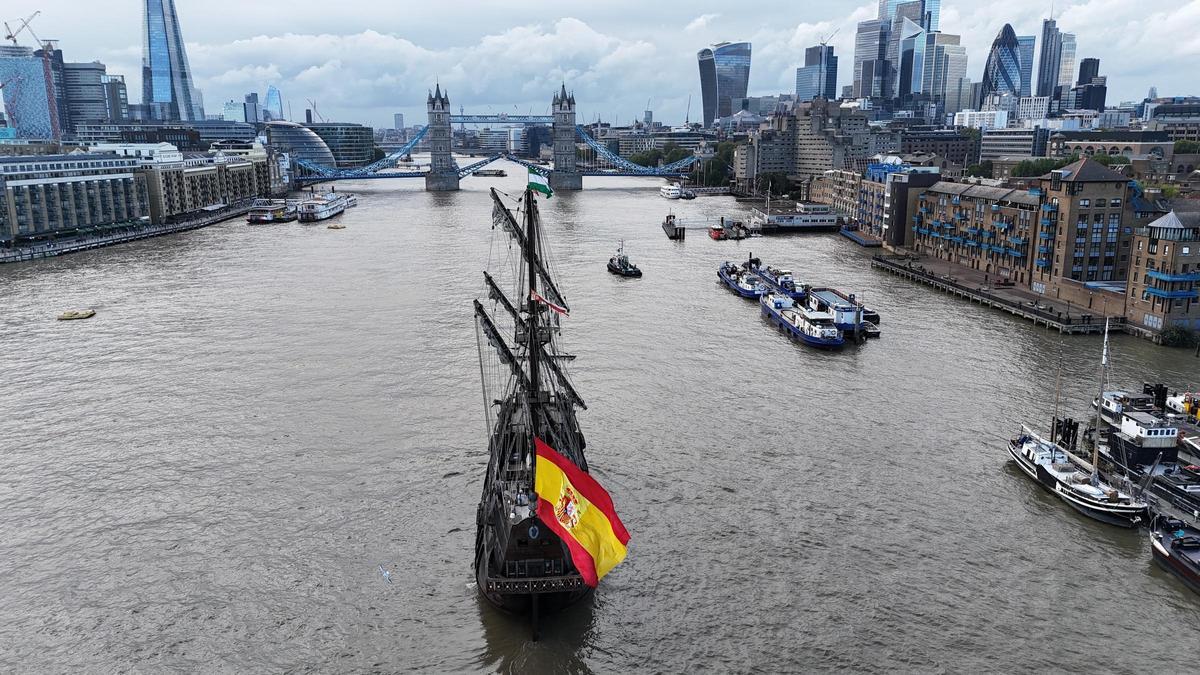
700 23
368 60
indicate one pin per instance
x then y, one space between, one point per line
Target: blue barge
848 313
741 280
813 328
781 281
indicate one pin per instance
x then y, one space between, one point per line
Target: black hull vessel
1056 470
1176 548
521 565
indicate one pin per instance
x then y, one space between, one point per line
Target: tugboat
741 279
537 543
619 264
1176 548
814 329
1064 474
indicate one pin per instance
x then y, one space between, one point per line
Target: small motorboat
76 314
687 194
717 232
619 264
1176 547
335 226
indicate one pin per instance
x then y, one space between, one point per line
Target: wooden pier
1081 325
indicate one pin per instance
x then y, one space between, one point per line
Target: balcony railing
1048 207
1173 295
1164 276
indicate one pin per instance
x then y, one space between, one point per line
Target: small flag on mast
540 183
557 309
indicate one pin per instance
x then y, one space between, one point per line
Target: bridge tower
443 172
565 176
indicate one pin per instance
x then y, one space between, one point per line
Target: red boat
717 232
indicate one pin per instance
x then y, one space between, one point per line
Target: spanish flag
580 512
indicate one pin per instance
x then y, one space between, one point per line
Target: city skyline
512 58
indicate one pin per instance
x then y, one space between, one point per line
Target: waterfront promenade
63 246
981 288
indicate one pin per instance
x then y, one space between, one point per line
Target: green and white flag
539 182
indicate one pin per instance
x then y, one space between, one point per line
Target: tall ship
545 530
326 206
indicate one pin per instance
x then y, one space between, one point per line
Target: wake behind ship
546 532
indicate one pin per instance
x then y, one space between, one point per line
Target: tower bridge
444 172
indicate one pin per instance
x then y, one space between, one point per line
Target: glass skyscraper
1002 73
724 75
818 77
167 89
274 104
1025 44
29 93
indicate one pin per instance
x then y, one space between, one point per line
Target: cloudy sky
362 60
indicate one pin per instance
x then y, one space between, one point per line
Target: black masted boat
520 564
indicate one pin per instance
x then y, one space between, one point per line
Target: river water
209 473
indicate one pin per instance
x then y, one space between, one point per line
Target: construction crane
10 34
830 37
316 112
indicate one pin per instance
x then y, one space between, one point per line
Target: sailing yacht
1071 479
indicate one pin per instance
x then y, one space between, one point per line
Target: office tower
906 23
167 90
945 69
398 121
54 59
1066 60
1092 89
1049 58
818 77
1002 73
273 107
928 16
116 98
870 58
880 44
234 111
1089 69
724 75
1152 94
1025 45
910 75
84 87
29 98
253 110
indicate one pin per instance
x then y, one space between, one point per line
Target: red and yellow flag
580 512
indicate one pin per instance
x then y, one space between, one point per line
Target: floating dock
864 240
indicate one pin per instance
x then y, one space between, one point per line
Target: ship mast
533 345
1099 404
